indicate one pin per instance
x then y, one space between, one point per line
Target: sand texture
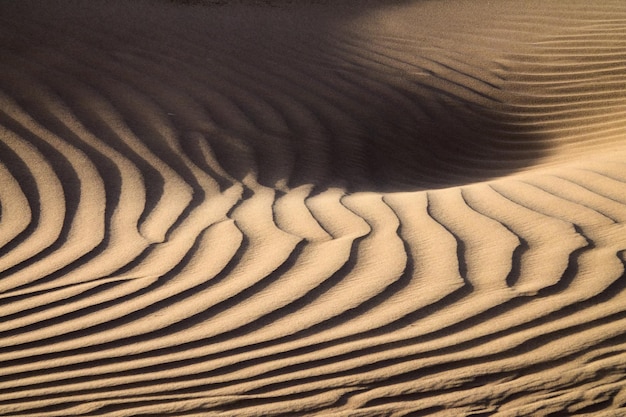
359 208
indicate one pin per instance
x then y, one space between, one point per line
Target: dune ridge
403 209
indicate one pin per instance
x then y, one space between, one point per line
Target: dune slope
361 209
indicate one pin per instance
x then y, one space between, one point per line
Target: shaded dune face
408 209
295 95
302 95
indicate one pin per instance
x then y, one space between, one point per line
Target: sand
312 208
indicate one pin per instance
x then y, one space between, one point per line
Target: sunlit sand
361 208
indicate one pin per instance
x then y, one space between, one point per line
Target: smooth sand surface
359 208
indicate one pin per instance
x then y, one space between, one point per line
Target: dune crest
381 208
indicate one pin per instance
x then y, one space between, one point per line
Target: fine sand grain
350 208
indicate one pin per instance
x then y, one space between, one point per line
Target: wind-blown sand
341 209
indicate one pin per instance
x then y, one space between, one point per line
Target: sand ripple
417 209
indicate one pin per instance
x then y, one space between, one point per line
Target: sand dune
365 208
